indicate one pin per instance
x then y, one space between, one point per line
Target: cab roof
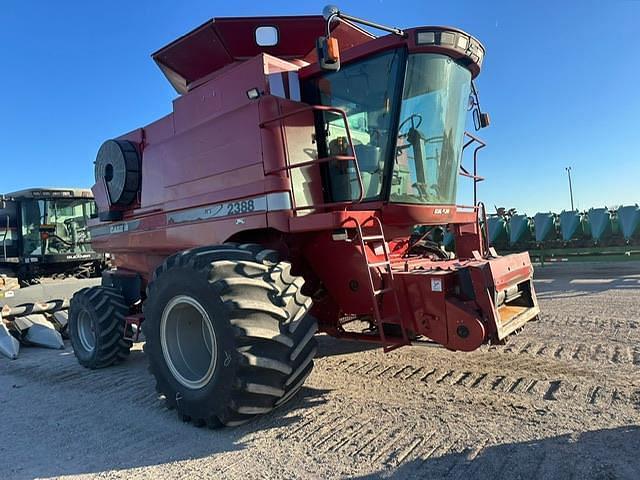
49 192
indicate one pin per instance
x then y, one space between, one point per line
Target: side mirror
484 120
480 119
328 53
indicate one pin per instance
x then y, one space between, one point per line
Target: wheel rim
188 342
86 331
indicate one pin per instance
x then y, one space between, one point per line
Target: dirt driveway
561 400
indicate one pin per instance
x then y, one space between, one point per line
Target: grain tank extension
278 198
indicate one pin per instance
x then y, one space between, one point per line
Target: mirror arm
330 19
327 47
331 12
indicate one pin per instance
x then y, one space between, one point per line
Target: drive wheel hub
188 342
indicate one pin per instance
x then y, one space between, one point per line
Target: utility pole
568 169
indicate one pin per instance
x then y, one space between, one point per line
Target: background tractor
45 256
279 198
43 233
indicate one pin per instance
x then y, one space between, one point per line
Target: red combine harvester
279 199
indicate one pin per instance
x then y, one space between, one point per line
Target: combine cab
43 232
279 198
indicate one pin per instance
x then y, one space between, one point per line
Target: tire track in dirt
385 441
534 387
448 454
600 352
130 381
593 324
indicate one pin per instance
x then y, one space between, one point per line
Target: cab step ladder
386 272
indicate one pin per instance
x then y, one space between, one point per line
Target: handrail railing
339 158
485 228
342 158
464 172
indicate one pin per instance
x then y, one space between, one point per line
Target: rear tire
97 326
228 335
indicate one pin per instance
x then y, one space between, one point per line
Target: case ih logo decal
103 230
441 211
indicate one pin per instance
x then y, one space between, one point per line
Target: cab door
8 230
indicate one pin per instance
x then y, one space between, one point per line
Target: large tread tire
107 309
265 338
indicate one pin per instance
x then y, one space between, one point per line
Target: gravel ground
561 400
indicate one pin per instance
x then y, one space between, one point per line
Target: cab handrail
343 158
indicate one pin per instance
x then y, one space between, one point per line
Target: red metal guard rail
342 158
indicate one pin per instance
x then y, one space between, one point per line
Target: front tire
228 335
97 326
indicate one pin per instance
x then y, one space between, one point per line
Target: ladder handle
384 290
379 264
373 237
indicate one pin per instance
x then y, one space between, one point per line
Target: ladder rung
384 290
379 264
369 238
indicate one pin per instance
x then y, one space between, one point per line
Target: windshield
431 130
56 226
365 90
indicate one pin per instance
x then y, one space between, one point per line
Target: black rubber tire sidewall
85 357
193 283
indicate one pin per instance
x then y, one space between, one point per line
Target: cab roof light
447 38
426 38
465 44
253 93
53 193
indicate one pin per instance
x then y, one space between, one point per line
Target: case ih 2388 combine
278 200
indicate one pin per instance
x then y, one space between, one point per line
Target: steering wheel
416 121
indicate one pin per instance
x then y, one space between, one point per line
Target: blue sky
560 81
